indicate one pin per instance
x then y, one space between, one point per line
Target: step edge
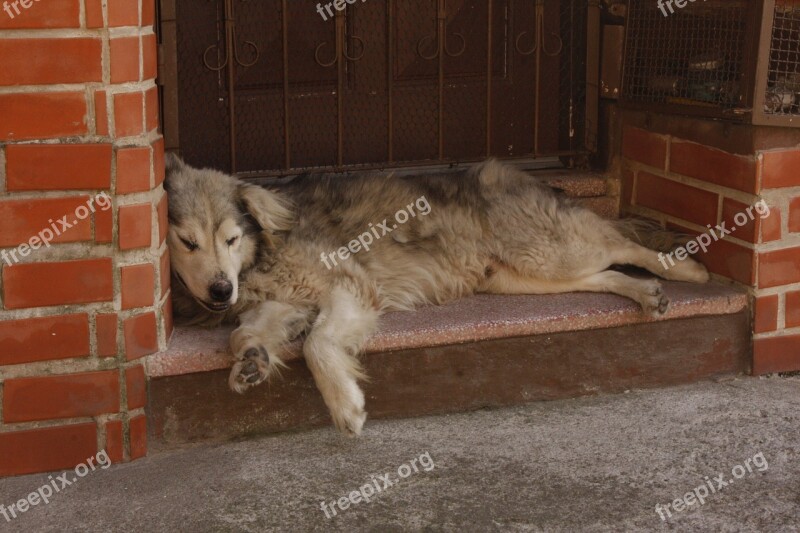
169 363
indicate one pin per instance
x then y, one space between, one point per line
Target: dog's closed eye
191 246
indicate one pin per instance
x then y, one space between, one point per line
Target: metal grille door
268 87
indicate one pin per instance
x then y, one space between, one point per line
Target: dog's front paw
252 369
654 301
348 414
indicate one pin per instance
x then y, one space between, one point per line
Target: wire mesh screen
783 80
279 86
690 56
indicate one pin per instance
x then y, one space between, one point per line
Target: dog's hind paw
250 371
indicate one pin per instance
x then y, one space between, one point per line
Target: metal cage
689 60
727 59
777 92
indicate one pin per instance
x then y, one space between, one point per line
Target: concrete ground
592 464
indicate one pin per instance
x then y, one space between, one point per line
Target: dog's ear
172 164
269 209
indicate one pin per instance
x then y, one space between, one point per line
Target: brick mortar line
781 191
791 240
77 87
105 55
663 217
117 32
51 33
82 17
141 140
75 33
161 325
780 289
136 198
102 439
56 311
759 171
734 194
92 318
788 240
123 396
52 194
64 367
73 251
11 427
81 308
2 170
787 332
781 202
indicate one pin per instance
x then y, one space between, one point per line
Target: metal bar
287 156
525 158
539 39
592 75
390 79
441 30
168 74
762 66
229 52
489 79
751 47
340 73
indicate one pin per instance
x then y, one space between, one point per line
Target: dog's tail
650 234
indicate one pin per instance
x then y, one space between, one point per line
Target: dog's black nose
221 290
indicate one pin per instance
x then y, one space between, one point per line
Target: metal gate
271 87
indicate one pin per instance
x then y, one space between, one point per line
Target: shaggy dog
324 256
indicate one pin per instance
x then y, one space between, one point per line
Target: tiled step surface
478 352
481 317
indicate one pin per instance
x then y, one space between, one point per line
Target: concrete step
576 184
589 189
477 352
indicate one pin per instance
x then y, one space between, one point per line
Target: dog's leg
663 265
647 292
336 338
259 342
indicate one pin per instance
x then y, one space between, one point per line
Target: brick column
81 166
688 186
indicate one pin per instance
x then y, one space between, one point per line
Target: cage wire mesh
688 56
783 81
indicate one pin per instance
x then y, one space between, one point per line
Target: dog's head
219 226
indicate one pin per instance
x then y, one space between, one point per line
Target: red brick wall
688 186
79 117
